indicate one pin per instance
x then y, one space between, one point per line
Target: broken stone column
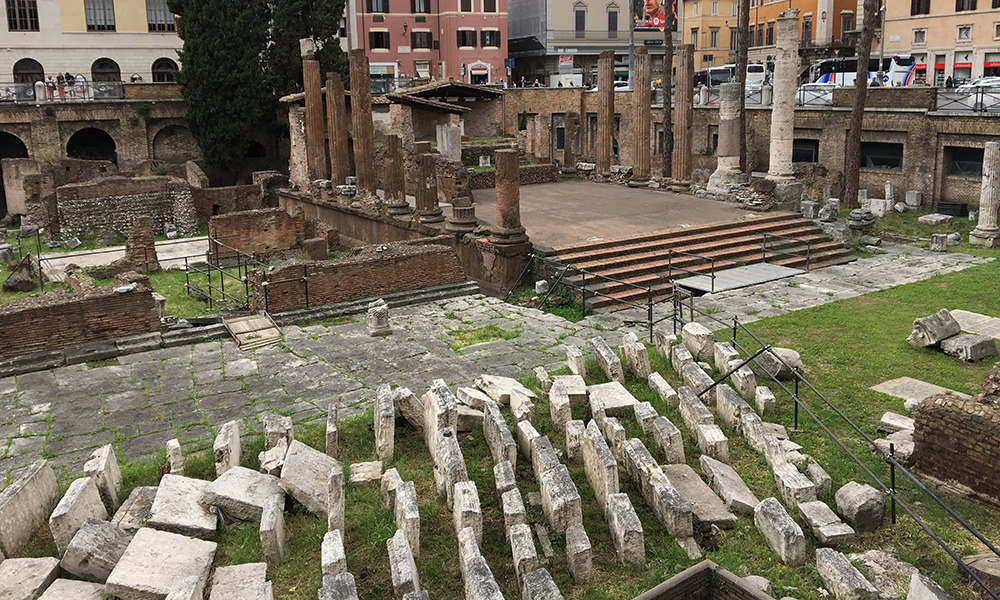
508 229
361 118
727 150
641 107
404 570
384 422
272 529
315 127
783 111
103 467
987 233
571 124
175 457
467 511
683 112
606 110
227 448
428 210
462 220
82 501
336 119
394 178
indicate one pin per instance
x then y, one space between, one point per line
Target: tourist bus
757 75
897 70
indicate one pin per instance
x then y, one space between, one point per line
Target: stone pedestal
543 139
783 111
641 102
462 220
336 118
683 112
315 126
508 229
605 111
728 149
361 118
449 139
986 232
572 123
428 210
298 162
394 179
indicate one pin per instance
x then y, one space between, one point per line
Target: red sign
920 67
995 63
939 66
963 65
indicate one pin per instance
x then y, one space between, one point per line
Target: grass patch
560 302
467 337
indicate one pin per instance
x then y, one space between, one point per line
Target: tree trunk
667 145
741 66
852 149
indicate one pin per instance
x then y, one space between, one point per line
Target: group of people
66 84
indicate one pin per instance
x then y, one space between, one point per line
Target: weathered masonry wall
258 231
704 581
528 175
368 272
57 320
114 203
959 440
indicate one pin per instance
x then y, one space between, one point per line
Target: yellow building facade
711 26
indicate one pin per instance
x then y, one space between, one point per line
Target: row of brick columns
332 123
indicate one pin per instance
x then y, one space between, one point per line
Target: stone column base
462 220
637 183
722 180
396 208
435 215
505 237
986 239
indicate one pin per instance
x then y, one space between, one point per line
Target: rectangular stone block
825 525
636 356
410 407
68 589
843 580
575 430
469 419
503 476
407 511
479 581
277 427
25 506
468 549
723 352
664 339
574 386
384 416
560 410
707 508
614 432
498 437
82 501
668 438
514 512
449 467
579 554
892 422
305 476
595 407
132 514
272 529
440 412
538 585
745 382
177 508
390 481
782 533
241 493
94 550
680 356
793 486
638 463
668 505
576 360
405 578
332 429
522 548
467 511
663 389
699 340
27 578
103 467
969 347
626 532
730 407
607 360
561 503
521 406
543 456
499 388
227 448
241 582
698 380
712 442
472 398
543 378
341 587
335 497
693 411
617 400
333 560
156 561
526 432
765 400
600 465
728 484
820 478
645 414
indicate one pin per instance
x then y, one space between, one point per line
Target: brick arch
19 136
68 130
11 146
92 143
173 143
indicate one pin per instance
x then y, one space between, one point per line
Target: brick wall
959 440
114 203
259 231
152 91
367 272
58 320
209 202
528 175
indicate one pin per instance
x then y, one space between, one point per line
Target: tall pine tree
222 74
293 20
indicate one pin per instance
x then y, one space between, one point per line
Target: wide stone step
708 509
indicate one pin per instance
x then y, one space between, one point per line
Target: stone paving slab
977 323
908 388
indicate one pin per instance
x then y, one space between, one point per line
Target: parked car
814 94
981 94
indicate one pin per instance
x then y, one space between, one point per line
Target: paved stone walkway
185 392
170 253
908 389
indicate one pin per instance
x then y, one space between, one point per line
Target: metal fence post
187 277
305 281
796 399
41 276
649 311
583 297
892 482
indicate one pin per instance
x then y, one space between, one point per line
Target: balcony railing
589 35
72 92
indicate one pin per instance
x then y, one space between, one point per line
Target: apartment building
465 40
102 40
826 28
947 38
711 25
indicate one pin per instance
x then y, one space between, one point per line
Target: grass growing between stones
487 333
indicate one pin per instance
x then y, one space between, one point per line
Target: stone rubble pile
942 331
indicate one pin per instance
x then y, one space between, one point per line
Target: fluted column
605 110
336 119
641 107
361 118
683 112
987 233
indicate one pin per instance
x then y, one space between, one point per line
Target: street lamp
881 49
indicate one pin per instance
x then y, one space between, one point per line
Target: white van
756 76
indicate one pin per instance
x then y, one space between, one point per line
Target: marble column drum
783 110
508 229
361 118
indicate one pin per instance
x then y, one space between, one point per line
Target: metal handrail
765 251
671 268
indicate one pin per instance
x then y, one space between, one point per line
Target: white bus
897 71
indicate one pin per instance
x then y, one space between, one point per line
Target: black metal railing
67 92
303 280
756 347
222 260
985 99
704 259
765 250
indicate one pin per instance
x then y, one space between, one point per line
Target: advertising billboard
649 14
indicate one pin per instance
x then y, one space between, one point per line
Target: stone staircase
645 260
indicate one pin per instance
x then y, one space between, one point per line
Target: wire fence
752 347
222 260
